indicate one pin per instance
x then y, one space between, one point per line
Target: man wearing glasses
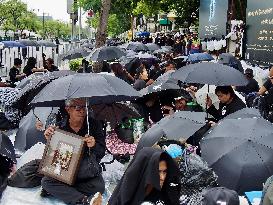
269 83
89 185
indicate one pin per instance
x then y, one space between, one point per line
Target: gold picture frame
62 156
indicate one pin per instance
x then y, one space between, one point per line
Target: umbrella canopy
114 113
245 113
12 44
47 43
6 147
230 60
76 53
130 64
162 50
100 88
106 53
24 82
181 124
210 73
137 46
35 85
27 134
145 56
27 42
152 46
143 33
196 57
240 149
88 45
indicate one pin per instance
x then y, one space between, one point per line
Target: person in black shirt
229 102
14 73
50 65
252 85
89 183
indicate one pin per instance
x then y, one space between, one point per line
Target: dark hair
117 69
31 62
105 67
17 61
270 67
139 71
225 90
50 60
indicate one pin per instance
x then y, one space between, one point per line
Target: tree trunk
104 14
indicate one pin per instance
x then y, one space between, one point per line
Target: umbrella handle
87 115
207 104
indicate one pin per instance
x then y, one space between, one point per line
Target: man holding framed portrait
89 185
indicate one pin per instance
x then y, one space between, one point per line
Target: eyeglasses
78 107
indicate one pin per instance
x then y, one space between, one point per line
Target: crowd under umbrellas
237 145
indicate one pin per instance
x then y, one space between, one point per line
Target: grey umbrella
210 73
106 53
6 147
99 88
244 113
242 150
76 53
27 134
182 124
152 46
27 42
137 46
47 43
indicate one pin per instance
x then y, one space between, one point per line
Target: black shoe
44 193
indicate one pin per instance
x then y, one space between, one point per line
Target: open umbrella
197 57
99 88
27 42
76 53
106 53
210 73
179 125
137 46
88 45
25 81
35 85
27 134
47 43
114 113
6 147
152 46
162 50
240 149
12 44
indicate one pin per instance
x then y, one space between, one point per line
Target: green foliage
75 64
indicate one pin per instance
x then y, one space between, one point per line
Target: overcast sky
56 8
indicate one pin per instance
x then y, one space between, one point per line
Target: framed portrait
62 156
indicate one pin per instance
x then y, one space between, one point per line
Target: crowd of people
155 175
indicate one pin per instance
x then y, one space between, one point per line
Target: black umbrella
179 125
230 60
106 53
152 46
88 45
24 82
27 134
100 88
137 46
76 53
210 73
242 150
47 43
6 147
244 113
27 42
114 113
35 85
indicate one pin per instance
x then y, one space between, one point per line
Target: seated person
268 84
229 102
14 73
89 185
30 68
50 65
252 85
155 179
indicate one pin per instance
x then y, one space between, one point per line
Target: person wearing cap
252 85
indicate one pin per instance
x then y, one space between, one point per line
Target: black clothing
53 68
252 86
12 74
139 84
226 109
28 70
268 84
83 186
143 171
